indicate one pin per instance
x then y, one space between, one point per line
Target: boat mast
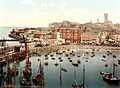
42 73
74 74
25 43
26 47
60 77
41 68
20 71
7 71
113 69
83 76
14 74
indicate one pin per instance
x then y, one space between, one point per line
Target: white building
57 41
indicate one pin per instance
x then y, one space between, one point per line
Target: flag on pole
63 69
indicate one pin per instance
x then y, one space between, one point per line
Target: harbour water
93 66
92 69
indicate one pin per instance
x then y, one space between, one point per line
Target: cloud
38 8
49 12
78 10
63 5
67 8
1 11
29 2
46 5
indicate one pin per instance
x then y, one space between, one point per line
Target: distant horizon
39 13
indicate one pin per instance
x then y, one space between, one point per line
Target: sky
39 13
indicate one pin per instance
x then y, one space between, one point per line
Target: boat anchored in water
38 79
25 81
7 79
110 77
75 63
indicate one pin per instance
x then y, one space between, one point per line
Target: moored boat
3 62
118 61
46 63
110 77
23 81
75 63
38 79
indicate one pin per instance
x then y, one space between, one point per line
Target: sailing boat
27 71
1 71
3 62
76 84
7 80
1 74
38 79
110 77
14 70
23 81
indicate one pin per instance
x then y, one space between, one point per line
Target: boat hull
108 77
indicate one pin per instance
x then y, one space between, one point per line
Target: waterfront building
88 38
72 32
73 35
117 37
54 39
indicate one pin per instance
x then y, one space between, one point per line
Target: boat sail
110 77
83 55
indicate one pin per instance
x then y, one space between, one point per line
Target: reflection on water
93 65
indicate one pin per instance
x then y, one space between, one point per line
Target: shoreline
52 48
89 47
